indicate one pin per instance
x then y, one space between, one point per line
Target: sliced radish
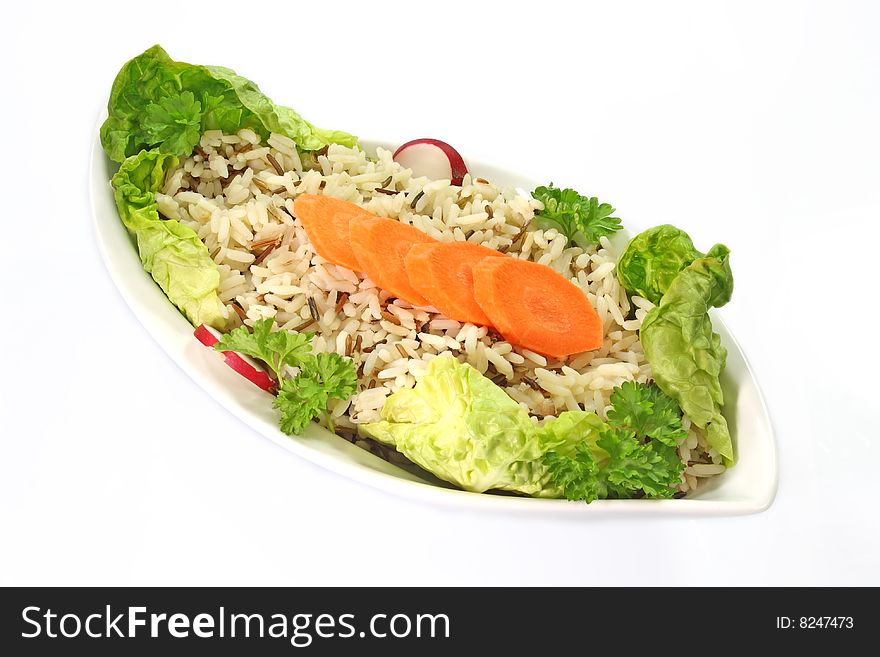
244 365
207 335
432 158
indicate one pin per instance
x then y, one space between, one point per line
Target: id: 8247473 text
814 622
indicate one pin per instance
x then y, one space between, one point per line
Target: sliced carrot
325 220
380 246
442 273
536 307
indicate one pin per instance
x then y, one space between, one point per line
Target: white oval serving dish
749 487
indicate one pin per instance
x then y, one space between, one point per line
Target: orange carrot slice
325 220
536 307
380 246
442 273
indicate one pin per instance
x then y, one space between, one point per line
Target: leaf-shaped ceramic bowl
749 487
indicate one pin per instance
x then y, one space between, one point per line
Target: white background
753 124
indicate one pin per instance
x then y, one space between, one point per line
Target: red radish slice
207 335
244 365
248 368
433 158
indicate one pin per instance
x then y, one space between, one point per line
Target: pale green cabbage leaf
171 252
653 259
465 429
686 355
156 102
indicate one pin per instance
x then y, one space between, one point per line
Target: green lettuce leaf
686 355
571 428
171 252
156 102
653 259
463 428
277 118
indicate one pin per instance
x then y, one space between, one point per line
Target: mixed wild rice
237 193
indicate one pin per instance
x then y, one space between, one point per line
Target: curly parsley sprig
583 220
174 123
321 377
641 440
